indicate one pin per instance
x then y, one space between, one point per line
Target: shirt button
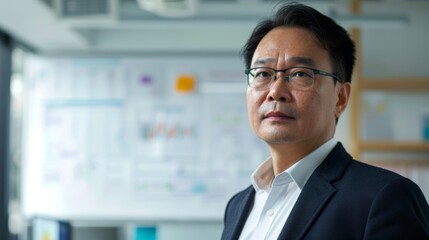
270 212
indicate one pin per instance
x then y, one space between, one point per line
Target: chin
275 138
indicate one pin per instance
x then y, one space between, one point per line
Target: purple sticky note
146 80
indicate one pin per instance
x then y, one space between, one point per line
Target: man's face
282 114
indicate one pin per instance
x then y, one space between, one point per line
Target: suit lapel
309 204
316 194
239 213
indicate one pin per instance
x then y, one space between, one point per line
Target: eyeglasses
261 78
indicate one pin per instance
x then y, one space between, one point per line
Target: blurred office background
126 119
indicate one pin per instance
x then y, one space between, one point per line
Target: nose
279 90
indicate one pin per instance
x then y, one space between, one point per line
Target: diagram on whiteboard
109 138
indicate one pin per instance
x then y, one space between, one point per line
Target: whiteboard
111 139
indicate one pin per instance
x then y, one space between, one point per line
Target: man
299 67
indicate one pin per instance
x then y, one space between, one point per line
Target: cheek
310 106
318 109
253 103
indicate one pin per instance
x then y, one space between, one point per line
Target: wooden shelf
397 162
391 146
389 83
395 84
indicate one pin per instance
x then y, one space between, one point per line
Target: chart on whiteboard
110 138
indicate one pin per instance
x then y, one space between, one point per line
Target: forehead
289 45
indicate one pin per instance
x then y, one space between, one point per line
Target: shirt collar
300 172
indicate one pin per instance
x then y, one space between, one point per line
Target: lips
278 115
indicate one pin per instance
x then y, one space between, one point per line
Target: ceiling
122 26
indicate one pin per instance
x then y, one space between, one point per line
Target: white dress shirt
276 195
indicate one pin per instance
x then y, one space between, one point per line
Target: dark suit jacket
345 199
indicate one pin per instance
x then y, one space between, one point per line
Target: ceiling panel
218 25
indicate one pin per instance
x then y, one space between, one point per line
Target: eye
263 73
301 73
301 77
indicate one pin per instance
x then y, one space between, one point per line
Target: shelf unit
360 85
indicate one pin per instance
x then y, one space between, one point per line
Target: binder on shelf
425 125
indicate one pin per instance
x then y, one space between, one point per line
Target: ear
343 98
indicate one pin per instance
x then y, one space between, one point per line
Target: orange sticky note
185 83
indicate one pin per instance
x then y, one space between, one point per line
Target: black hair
334 38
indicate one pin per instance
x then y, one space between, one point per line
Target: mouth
278 116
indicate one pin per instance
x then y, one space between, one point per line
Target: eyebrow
263 61
303 60
292 60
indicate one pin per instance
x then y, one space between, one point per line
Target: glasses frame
315 72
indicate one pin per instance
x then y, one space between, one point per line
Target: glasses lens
260 77
301 77
298 77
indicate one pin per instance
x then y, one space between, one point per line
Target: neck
284 155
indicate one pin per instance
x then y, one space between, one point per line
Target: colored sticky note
145 233
146 80
185 83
